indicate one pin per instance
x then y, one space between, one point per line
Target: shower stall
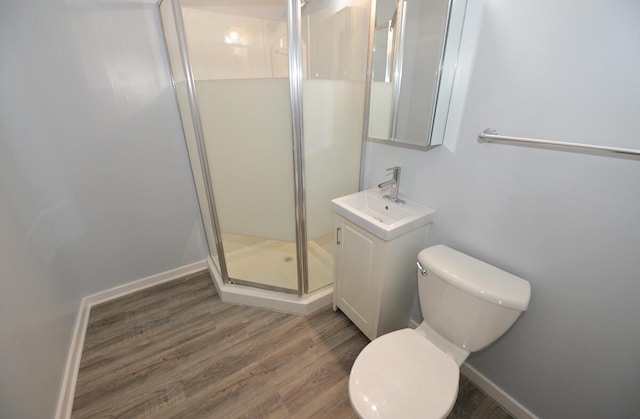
271 95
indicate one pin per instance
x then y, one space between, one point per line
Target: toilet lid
403 375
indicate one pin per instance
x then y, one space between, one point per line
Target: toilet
413 373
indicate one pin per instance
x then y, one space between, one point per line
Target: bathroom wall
95 187
37 311
568 222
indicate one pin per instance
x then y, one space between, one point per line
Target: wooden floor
176 350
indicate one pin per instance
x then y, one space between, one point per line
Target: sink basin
381 217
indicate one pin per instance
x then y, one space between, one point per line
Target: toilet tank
469 302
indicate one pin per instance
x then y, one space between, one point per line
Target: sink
381 217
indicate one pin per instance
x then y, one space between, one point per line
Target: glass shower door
239 57
335 44
190 121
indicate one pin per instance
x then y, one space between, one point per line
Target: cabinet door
357 287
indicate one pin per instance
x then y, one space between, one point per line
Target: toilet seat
403 375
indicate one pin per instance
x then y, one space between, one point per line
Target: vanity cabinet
375 280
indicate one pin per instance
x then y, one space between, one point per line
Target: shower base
273 262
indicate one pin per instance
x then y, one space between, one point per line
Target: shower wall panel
229 46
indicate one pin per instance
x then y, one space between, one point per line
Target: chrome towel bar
489 135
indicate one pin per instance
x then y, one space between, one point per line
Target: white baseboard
510 404
69 379
68 387
140 284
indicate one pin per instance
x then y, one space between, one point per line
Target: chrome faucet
395 185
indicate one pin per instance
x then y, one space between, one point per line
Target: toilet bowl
413 373
393 378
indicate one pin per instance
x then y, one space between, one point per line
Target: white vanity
377 243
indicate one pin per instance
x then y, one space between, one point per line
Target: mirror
415 49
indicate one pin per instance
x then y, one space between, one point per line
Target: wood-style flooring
176 351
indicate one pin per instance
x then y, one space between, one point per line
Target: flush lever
421 269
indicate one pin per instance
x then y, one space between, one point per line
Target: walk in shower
271 95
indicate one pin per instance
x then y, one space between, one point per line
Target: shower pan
271 95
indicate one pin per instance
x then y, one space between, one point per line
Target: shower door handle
338 235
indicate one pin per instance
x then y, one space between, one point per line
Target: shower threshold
271 264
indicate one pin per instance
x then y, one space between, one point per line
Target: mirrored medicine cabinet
414 55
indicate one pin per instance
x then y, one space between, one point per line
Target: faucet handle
395 170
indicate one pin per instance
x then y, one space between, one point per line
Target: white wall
95 188
567 222
37 310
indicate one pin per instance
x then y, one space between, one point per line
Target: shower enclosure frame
296 77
